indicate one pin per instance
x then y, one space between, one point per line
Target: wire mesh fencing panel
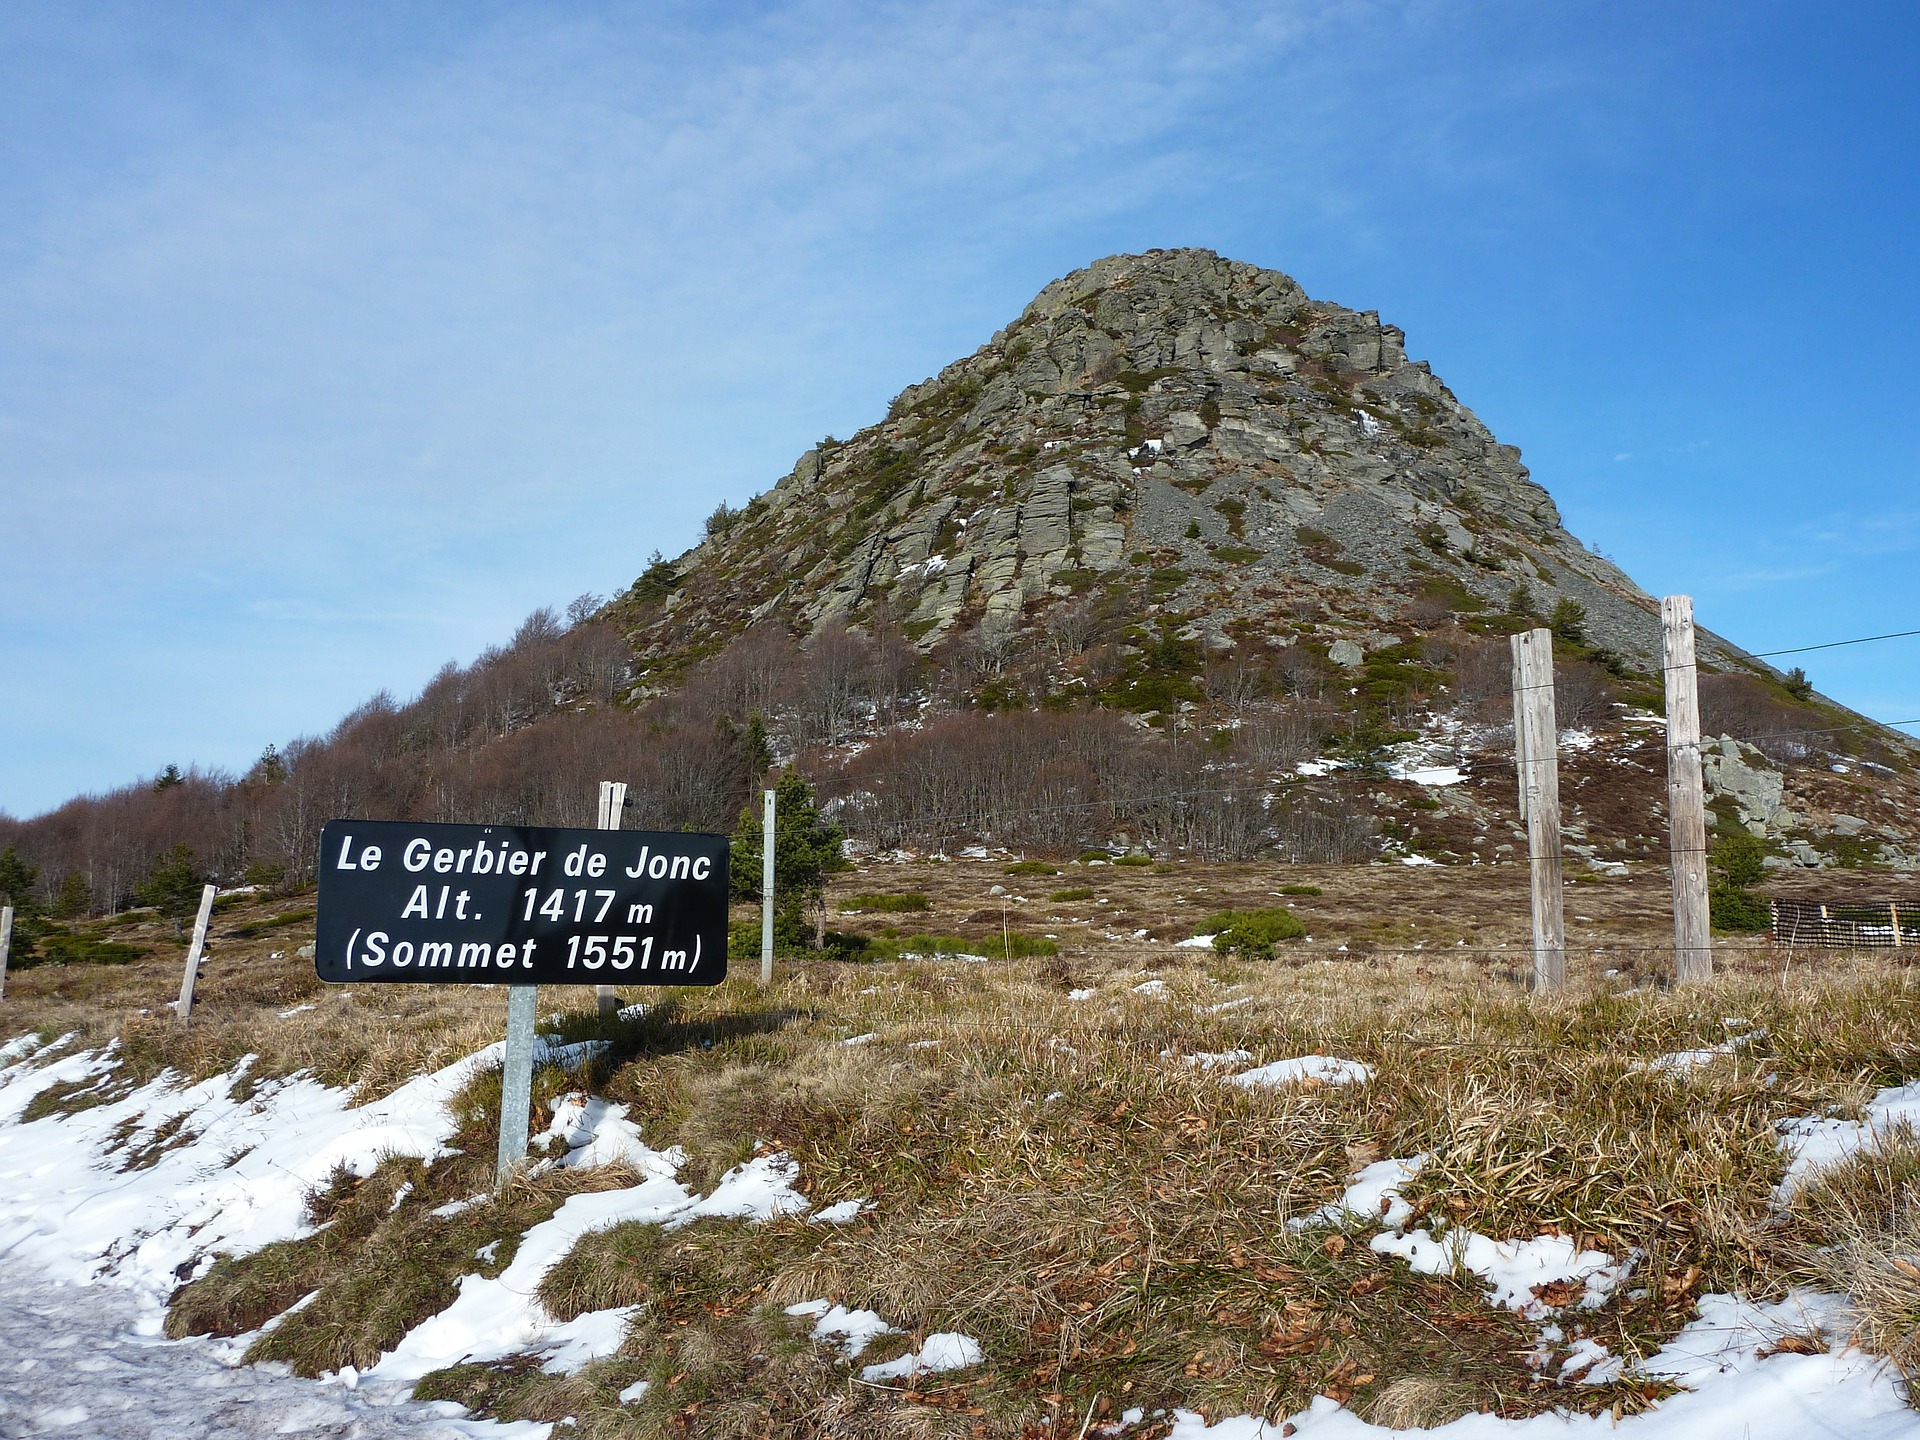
1847 926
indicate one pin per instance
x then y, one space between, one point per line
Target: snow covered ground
74 1363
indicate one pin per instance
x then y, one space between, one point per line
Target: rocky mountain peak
1190 436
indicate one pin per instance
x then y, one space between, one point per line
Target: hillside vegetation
1057 1159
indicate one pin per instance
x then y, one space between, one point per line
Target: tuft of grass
1031 867
1859 1225
1301 890
1078 892
1133 860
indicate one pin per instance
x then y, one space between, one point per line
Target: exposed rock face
1195 432
1740 773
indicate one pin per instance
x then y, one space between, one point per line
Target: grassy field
1046 1170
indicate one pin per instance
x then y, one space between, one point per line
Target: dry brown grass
1860 1237
1049 1176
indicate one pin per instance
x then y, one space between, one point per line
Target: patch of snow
74 1361
1685 1062
1197 942
1511 1268
1081 994
241 1182
853 1329
1319 767
598 1133
491 1319
1592 1363
1730 1385
1417 860
947 1350
1321 1069
1372 1195
633 1393
1815 1142
1151 987
842 1212
760 1189
865 1039
297 1010
1430 775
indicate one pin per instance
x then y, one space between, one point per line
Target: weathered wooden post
766 888
1686 800
1536 751
1520 725
613 802
184 1005
6 945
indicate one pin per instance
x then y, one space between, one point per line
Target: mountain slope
1190 432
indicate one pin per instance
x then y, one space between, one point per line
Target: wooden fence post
613 802
766 888
1519 722
184 1005
1686 799
1537 752
6 944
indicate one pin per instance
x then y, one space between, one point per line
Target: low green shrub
1252 932
62 949
1031 867
277 922
1301 890
1738 911
1079 892
1014 944
1133 860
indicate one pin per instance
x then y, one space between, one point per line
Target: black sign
520 905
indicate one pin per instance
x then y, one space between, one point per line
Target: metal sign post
184 1005
516 1082
523 906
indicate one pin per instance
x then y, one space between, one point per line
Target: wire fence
1851 925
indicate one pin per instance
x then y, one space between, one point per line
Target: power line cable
1835 645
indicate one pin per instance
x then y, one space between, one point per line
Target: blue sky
335 338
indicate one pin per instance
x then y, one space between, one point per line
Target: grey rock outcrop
1739 773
